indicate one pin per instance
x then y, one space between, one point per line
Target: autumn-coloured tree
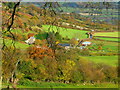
39 52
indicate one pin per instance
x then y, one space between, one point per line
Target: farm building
31 40
66 46
90 34
86 43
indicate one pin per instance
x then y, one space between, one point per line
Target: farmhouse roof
64 45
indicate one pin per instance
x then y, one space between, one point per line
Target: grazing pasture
106 45
107 34
108 39
20 45
65 32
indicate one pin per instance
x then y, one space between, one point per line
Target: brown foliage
40 52
30 35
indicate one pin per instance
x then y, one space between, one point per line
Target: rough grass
107 34
65 32
109 60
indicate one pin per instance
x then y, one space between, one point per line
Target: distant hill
81 4
109 16
73 5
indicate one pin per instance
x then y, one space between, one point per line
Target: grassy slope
8 42
19 31
66 32
109 60
18 44
71 33
108 39
109 34
106 45
62 85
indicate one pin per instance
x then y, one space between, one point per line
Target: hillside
110 15
47 48
74 20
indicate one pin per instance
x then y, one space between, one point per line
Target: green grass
108 39
107 34
106 45
62 85
113 48
8 42
109 60
65 32
18 44
19 31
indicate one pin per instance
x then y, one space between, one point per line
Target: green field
107 34
17 44
106 45
108 39
19 31
65 32
109 60
62 85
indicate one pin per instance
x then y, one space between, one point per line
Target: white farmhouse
31 40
